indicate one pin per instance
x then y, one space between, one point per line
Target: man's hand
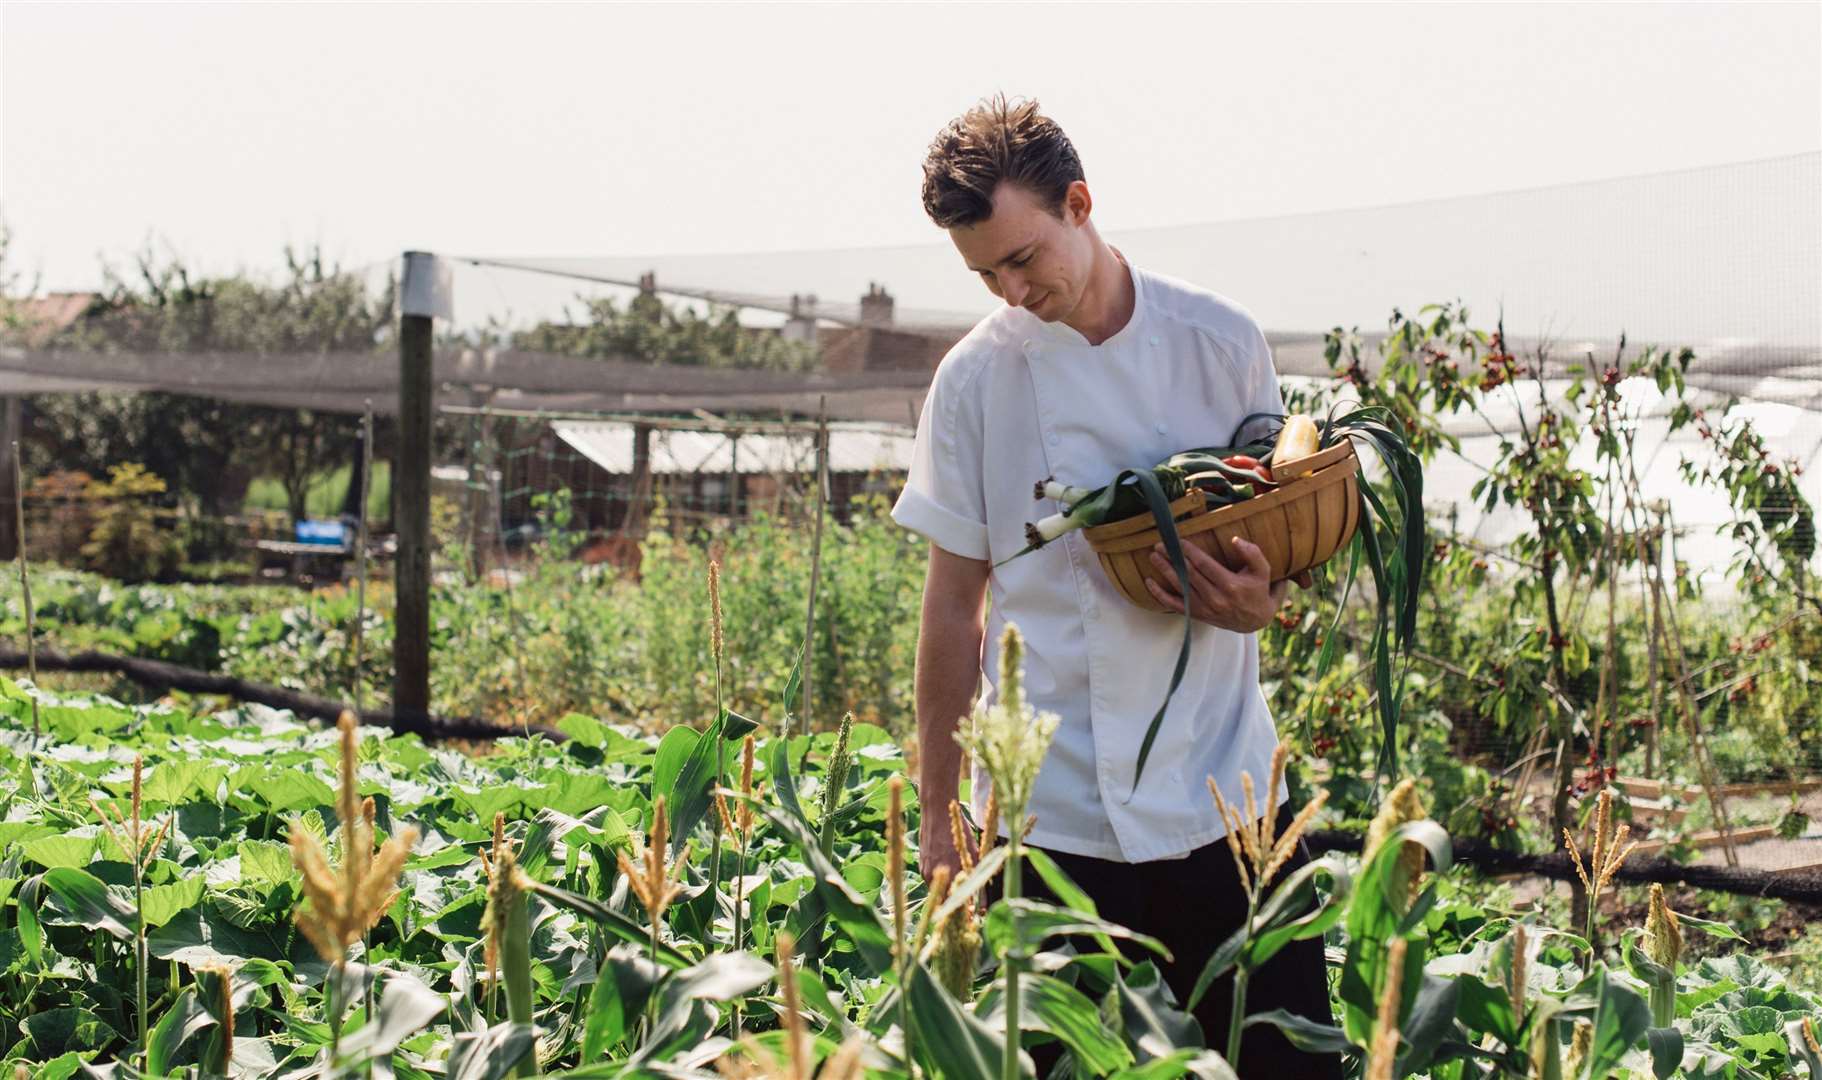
1242 600
936 843
948 671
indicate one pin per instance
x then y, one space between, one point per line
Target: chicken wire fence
532 445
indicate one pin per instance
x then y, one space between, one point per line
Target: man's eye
1023 261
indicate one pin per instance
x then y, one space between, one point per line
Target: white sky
227 131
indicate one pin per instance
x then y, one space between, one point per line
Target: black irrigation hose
1801 884
159 675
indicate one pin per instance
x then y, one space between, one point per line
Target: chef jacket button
1054 439
1154 339
1162 429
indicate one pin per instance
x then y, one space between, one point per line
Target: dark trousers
1192 905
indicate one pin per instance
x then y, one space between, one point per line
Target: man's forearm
948 674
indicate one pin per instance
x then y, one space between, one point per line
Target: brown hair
993 142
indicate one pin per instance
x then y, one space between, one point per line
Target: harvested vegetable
1297 439
1227 475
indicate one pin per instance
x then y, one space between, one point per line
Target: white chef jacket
1019 400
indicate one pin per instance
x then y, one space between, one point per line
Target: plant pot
1299 525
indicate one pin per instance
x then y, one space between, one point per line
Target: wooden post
821 483
632 523
733 476
423 297
25 583
9 454
360 552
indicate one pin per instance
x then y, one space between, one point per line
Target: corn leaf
1050 1005
1038 922
490 1054
1294 911
90 903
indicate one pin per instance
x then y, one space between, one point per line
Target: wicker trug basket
1298 525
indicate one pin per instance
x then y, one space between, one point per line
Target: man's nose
1014 290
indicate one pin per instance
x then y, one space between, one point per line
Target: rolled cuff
944 528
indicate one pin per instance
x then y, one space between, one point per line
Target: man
1091 366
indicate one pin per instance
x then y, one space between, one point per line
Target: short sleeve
943 498
1259 388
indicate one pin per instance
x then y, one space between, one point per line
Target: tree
211 449
647 329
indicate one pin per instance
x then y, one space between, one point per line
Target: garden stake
821 484
720 727
25 591
1697 740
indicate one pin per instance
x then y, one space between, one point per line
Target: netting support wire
25 583
360 550
1803 883
822 498
701 420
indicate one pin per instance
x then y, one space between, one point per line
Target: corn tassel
834 780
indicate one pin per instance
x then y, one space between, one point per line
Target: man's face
1028 257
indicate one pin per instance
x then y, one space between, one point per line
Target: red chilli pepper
1244 461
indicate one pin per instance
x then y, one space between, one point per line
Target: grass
327 490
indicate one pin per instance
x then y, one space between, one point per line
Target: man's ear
1077 203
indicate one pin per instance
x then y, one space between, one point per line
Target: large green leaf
55 1031
91 903
195 937
1487 1009
162 903
1621 1018
784 782
70 850
406 1007
175 780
